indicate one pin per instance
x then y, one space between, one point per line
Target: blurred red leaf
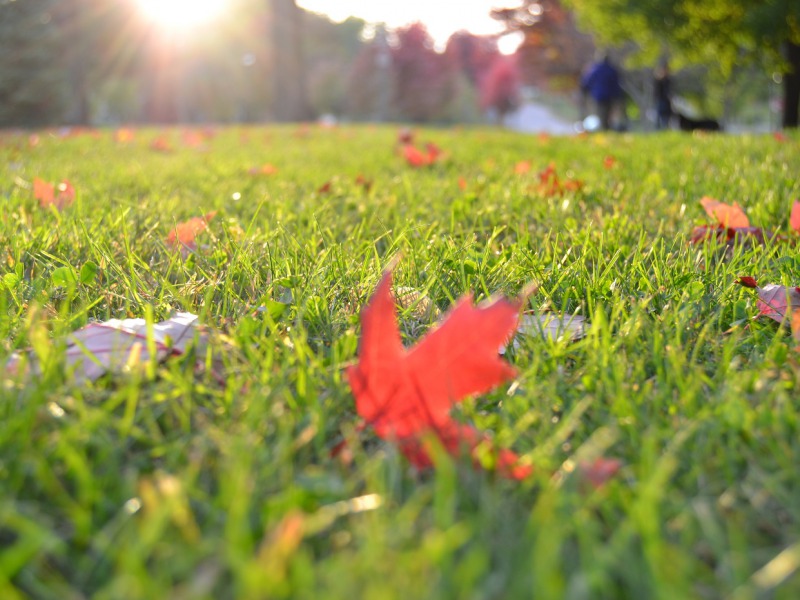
265 169
185 233
609 162
600 470
325 188
794 218
161 144
365 183
405 137
123 135
45 193
729 216
406 395
522 167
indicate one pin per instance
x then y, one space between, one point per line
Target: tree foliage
723 34
424 80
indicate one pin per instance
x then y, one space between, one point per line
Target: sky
441 17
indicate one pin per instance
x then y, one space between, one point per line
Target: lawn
239 470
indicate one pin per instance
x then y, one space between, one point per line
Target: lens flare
182 14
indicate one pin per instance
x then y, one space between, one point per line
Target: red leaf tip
747 282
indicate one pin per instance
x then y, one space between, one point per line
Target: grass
165 482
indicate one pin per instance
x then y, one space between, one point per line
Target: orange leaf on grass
406 394
185 233
729 216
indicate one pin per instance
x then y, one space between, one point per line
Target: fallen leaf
161 144
405 137
599 471
794 218
777 302
184 234
522 167
406 395
45 193
553 327
415 157
112 345
728 216
123 135
265 169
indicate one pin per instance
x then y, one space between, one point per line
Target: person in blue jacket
602 83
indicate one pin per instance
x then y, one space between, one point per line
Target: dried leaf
777 302
114 344
553 327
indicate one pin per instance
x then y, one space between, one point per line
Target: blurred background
512 62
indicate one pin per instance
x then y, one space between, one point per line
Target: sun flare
182 14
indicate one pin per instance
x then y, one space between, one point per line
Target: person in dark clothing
662 91
602 83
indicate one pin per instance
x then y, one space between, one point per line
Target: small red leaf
747 282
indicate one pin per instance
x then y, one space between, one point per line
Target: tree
424 80
33 86
330 49
500 88
722 34
290 97
554 52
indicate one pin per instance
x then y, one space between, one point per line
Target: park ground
240 469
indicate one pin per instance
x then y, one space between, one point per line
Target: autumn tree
722 34
554 52
423 79
472 54
500 87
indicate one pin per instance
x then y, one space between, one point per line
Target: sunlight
182 14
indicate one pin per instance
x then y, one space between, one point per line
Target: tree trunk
791 86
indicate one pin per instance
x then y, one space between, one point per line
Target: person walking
662 92
602 83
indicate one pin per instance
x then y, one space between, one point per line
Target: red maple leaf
406 394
